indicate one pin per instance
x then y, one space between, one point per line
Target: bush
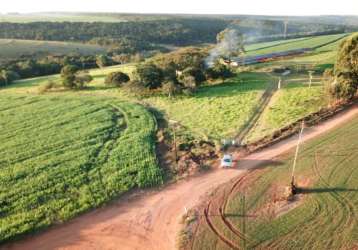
47 86
116 78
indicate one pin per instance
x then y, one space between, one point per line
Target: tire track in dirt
343 223
223 208
215 231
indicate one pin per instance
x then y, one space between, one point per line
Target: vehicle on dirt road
226 161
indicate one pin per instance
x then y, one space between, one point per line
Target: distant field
291 44
62 155
11 48
43 17
326 216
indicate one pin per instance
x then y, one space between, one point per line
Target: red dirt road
150 219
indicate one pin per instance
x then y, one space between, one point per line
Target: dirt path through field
150 219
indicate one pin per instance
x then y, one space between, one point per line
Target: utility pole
279 83
293 185
285 29
244 219
175 145
173 125
310 74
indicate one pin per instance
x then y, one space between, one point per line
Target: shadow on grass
99 87
257 164
325 190
234 86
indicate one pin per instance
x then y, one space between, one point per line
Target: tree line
171 31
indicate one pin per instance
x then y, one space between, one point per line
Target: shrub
47 86
116 78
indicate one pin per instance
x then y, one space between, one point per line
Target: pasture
323 216
63 155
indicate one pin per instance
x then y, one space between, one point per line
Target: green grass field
292 102
62 155
326 216
12 49
291 44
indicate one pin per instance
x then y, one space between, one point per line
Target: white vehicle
226 161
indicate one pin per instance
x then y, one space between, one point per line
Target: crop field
62 155
327 42
323 216
12 49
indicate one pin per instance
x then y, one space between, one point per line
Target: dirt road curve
149 220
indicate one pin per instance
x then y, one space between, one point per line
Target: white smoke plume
228 45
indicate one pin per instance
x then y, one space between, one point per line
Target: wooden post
175 145
311 77
279 83
244 219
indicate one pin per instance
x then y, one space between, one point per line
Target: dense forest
176 31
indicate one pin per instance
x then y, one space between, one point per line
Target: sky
260 7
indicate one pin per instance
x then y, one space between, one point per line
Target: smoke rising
229 44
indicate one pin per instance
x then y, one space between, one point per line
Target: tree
103 61
68 75
343 83
195 72
219 70
170 88
149 75
116 78
72 79
82 79
7 76
189 83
